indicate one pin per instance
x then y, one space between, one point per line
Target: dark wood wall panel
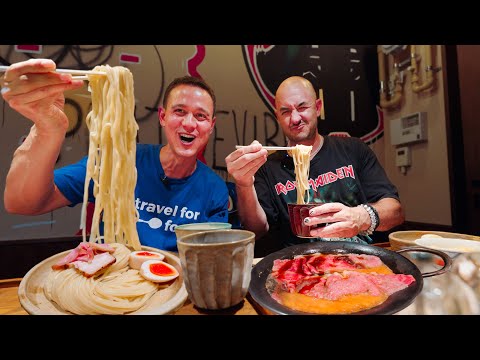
468 57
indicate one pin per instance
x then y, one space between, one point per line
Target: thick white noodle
111 158
301 160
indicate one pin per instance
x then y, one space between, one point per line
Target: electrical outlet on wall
402 156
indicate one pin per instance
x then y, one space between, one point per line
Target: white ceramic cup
217 266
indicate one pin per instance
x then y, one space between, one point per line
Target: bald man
354 194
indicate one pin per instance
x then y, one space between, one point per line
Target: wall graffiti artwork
246 127
347 76
194 61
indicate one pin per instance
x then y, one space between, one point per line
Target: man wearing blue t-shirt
173 187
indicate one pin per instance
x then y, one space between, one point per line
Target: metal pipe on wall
417 86
394 100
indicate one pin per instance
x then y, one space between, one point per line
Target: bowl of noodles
119 290
298 211
297 214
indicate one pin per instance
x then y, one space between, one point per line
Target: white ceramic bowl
450 245
33 300
400 239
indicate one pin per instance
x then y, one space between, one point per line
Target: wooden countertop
10 305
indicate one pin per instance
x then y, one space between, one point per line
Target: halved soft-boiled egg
158 271
137 258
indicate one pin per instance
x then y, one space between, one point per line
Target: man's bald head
295 82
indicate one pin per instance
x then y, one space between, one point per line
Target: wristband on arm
374 218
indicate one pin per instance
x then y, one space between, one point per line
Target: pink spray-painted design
192 64
195 61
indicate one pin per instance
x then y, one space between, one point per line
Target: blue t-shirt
162 205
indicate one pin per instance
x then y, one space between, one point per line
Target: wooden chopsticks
269 147
83 73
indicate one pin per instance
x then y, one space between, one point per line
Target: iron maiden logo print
321 180
347 75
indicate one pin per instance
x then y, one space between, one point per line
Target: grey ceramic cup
217 266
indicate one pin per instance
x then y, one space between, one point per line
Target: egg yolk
161 270
146 253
